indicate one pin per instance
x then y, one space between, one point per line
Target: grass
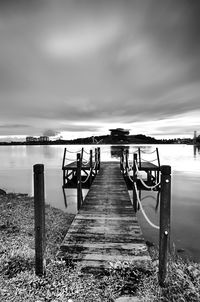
18 281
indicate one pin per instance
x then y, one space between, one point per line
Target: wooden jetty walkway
105 228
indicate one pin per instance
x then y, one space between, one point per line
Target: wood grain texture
106 228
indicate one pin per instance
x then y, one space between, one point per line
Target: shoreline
62 282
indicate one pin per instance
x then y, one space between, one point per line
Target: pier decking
105 228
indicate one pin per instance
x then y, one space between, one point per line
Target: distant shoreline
102 140
82 143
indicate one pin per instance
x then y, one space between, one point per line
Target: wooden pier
105 229
89 168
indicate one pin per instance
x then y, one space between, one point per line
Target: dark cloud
14 126
70 62
20 6
50 132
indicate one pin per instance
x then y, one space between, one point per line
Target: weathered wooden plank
106 228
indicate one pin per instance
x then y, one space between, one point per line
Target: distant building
119 133
31 139
43 138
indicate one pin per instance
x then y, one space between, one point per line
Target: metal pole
165 211
39 208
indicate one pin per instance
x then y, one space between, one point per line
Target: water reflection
155 198
196 149
65 197
48 151
70 198
116 151
16 176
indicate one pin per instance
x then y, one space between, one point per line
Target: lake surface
16 175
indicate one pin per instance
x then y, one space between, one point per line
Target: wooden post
63 164
122 161
39 208
91 168
158 171
126 157
78 172
96 161
99 157
165 209
139 153
135 203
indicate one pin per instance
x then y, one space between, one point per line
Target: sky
77 68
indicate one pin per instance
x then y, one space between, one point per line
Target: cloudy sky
80 67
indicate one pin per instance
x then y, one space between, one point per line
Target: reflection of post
39 207
134 182
65 197
195 150
165 208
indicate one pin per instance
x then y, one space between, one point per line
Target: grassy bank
61 283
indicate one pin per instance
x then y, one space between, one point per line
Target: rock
149 243
128 299
180 250
2 192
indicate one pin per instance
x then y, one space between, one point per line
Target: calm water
16 176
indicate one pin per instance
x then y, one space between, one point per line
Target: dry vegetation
18 281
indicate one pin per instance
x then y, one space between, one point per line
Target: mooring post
165 210
98 158
158 171
139 153
126 157
135 202
39 209
91 167
96 161
122 161
63 164
79 193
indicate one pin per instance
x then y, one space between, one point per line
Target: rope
73 151
147 152
142 210
70 159
85 163
145 185
87 177
86 152
130 177
149 160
